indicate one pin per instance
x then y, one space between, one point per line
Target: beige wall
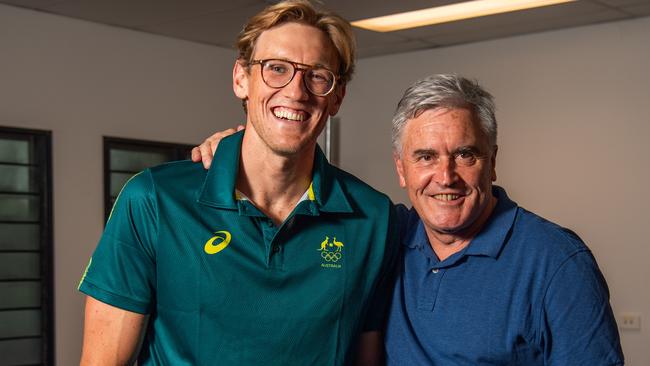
573 135
82 81
573 129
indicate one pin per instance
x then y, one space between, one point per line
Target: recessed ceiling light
449 13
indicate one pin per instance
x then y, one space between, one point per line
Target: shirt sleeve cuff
114 299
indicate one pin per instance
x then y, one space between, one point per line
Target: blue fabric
523 292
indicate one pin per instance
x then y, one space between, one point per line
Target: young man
272 256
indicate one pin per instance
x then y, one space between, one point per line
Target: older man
482 281
271 257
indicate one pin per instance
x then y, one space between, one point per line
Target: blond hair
336 28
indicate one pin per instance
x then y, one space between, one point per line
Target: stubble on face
288 120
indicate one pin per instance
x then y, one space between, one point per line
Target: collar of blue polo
489 241
219 190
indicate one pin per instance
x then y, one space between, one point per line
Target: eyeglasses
277 74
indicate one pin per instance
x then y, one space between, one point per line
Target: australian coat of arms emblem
331 252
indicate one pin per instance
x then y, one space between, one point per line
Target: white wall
573 135
82 81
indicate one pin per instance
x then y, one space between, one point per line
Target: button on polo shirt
226 286
269 228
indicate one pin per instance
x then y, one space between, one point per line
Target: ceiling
217 22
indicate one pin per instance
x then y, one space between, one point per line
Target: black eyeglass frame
297 66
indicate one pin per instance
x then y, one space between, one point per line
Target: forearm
111 335
370 350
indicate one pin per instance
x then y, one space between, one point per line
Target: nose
445 172
296 89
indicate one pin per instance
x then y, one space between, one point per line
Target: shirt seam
155 197
141 305
550 282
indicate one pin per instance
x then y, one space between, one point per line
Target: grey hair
444 91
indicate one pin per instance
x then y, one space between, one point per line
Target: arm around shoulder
111 334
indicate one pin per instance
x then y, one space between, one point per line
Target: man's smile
290 114
446 196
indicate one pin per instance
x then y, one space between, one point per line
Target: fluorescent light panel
449 13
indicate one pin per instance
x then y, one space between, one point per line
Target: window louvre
125 157
26 273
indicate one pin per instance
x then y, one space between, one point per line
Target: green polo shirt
225 286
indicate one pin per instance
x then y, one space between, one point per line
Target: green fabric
297 294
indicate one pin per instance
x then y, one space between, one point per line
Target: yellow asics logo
212 248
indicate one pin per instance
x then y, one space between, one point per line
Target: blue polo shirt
523 292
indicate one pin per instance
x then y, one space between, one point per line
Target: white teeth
446 197
283 113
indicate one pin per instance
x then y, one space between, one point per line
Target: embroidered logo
331 252
218 242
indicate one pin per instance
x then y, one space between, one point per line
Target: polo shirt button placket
427 298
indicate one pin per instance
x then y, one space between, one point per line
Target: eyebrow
467 148
424 152
317 65
460 149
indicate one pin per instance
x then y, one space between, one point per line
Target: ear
399 166
336 99
240 80
494 163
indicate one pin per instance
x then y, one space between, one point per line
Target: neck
273 182
446 244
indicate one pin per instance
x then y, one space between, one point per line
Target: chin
289 149
448 228
285 151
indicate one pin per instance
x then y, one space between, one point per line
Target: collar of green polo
219 190
307 196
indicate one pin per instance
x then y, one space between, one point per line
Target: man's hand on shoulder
204 152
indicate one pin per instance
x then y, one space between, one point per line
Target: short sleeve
121 271
578 326
380 301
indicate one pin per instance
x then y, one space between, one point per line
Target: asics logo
218 242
